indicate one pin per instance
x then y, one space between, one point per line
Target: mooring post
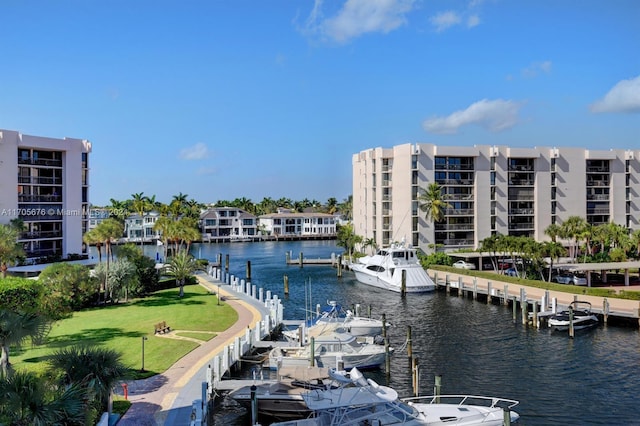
369 311
436 387
535 314
571 328
605 310
286 284
507 416
475 288
409 342
446 283
219 260
506 295
287 258
403 285
384 325
313 352
254 405
248 270
514 308
226 263
460 286
339 266
488 292
300 260
387 357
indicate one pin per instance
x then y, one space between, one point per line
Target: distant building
140 228
45 182
490 190
227 222
288 223
97 215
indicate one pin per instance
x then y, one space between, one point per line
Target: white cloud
473 21
536 68
195 152
623 97
445 20
495 115
358 17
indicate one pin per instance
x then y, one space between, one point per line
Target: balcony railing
49 162
597 169
455 227
25 198
520 226
598 197
460 197
454 167
598 210
521 182
521 211
42 180
458 212
455 181
40 235
597 183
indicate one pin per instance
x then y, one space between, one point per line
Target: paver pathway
152 398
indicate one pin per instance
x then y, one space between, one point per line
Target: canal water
476 348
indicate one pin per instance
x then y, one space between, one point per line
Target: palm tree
27 399
554 250
433 202
181 267
332 205
91 237
370 242
95 369
570 230
15 329
10 249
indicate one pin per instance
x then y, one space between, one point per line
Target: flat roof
599 266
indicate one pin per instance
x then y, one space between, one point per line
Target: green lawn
122 327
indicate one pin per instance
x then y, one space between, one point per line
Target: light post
218 294
143 339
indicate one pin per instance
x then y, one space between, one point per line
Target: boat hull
419 284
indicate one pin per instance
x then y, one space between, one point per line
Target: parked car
575 279
512 272
461 264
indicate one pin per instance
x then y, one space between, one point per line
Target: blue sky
228 99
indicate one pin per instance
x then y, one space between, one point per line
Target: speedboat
578 312
389 267
282 399
360 401
329 350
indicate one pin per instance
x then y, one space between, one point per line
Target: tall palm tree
15 329
570 230
92 237
433 202
95 369
10 249
554 250
28 399
181 267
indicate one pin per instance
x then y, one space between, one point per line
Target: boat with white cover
390 266
333 318
578 312
361 401
328 350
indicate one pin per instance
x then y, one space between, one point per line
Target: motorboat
282 399
330 350
334 318
390 267
578 312
360 401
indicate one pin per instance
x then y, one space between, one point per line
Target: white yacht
328 350
360 401
390 266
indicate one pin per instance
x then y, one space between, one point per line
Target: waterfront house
307 224
227 222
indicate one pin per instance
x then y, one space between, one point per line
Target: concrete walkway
166 399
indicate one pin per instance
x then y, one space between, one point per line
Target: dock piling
409 342
403 286
248 270
415 376
286 285
437 386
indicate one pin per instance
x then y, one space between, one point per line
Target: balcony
40 235
26 198
521 182
528 212
455 181
598 210
521 226
598 197
600 183
459 212
454 227
48 162
597 169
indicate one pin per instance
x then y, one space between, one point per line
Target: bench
162 327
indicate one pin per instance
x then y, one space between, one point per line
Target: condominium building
490 190
45 182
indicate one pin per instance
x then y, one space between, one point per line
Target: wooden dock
301 260
534 304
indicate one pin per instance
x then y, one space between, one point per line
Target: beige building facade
490 190
45 182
